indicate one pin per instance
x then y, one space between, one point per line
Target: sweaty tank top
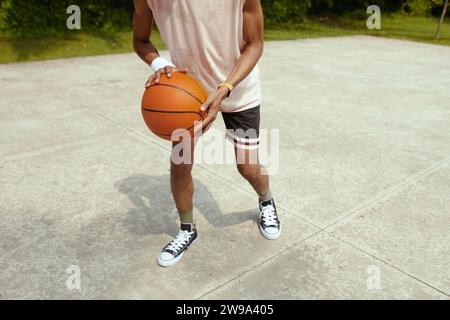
206 37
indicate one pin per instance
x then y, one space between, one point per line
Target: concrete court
363 187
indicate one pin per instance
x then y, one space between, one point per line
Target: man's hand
212 106
168 71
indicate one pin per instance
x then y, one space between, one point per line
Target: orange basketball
173 103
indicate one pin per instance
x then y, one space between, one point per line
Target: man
220 43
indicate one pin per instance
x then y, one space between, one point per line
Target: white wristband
159 63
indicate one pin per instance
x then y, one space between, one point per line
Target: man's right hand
168 71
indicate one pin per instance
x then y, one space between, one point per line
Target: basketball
173 103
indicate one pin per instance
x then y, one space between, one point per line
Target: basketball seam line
199 86
169 135
181 89
162 111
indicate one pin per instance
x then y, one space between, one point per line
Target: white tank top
206 37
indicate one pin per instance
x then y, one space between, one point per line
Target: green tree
284 12
48 17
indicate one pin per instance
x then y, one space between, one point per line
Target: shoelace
269 216
180 240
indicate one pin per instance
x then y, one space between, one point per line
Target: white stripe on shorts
243 145
242 140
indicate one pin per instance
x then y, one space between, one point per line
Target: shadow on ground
154 210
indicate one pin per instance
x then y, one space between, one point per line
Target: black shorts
243 128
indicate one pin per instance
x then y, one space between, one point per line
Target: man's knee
248 171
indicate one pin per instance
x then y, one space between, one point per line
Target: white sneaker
270 225
173 252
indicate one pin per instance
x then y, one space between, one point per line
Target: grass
397 26
78 45
415 28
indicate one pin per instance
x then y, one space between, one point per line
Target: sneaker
173 252
270 225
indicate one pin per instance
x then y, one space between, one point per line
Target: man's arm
254 42
254 45
142 30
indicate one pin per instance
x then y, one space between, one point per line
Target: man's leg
182 187
243 132
249 167
181 181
